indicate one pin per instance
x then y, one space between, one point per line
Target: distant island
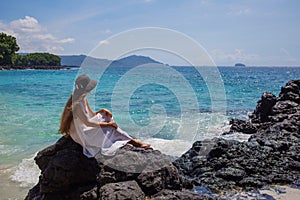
240 65
11 60
129 61
33 61
73 61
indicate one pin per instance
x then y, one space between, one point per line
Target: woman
94 131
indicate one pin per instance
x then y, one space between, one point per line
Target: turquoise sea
31 102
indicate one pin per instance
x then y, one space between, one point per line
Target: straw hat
84 84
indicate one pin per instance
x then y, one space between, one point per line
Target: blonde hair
66 118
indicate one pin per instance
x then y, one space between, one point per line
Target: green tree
36 59
8 47
43 59
19 60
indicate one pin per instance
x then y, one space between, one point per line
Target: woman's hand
113 124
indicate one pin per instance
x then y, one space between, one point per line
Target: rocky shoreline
34 67
270 156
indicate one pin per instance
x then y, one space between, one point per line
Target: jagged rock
64 166
121 191
154 181
67 174
90 195
150 168
179 195
271 154
263 108
296 183
34 193
251 182
242 126
291 91
231 173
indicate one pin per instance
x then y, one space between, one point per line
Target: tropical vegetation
9 57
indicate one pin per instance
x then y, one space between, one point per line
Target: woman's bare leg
138 143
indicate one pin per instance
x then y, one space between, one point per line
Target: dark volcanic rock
164 178
263 108
121 191
231 173
242 126
271 154
131 174
92 194
150 168
291 91
179 195
63 167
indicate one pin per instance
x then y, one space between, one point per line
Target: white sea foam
170 147
195 126
241 137
26 173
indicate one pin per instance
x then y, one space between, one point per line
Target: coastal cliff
270 156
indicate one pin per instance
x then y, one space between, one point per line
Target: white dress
106 140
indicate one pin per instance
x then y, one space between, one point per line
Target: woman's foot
138 143
145 145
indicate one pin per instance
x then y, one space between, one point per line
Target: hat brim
91 85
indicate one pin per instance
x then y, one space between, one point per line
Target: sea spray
26 173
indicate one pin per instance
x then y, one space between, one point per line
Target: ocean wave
25 173
193 127
170 147
241 137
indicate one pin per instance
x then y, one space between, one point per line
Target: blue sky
255 32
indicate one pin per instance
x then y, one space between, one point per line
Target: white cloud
238 11
238 55
104 42
26 25
66 40
33 37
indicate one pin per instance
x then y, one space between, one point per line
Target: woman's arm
89 108
104 110
86 120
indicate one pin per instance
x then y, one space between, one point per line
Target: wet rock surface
270 156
